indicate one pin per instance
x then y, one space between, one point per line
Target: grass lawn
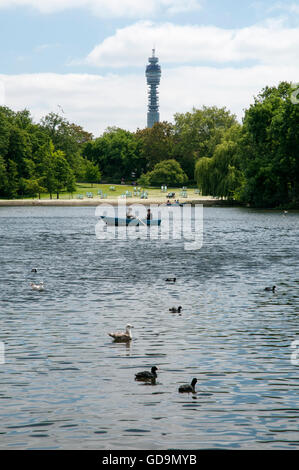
84 188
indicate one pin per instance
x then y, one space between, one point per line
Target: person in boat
168 203
129 214
149 215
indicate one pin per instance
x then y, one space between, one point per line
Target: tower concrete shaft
153 75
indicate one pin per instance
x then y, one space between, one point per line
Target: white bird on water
122 336
39 287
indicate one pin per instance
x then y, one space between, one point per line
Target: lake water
66 385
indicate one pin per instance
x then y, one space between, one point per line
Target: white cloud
44 47
96 102
185 87
92 101
292 8
109 8
264 43
2 93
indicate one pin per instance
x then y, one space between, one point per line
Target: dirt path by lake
205 200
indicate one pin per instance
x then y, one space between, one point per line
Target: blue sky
89 56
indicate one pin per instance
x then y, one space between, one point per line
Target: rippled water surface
66 385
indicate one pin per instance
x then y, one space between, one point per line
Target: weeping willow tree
220 175
203 170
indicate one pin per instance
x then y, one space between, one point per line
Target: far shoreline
93 202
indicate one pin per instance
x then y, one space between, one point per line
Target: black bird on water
34 270
269 289
187 388
176 310
170 279
145 375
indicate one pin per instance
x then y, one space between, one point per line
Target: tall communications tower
153 75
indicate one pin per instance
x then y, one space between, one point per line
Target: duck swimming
123 336
170 279
187 388
34 270
175 310
145 375
268 289
39 287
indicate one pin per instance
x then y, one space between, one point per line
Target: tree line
41 158
255 162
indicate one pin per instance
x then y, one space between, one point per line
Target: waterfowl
39 287
122 336
187 388
170 279
34 270
145 375
270 289
175 310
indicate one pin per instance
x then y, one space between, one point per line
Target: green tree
117 153
71 183
46 167
197 134
156 143
204 176
221 175
19 148
5 124
63 174
32 187
67 137
92 173
167 172
55 170
144 180
3 178
13 179
270 145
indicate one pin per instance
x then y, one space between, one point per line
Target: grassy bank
84 190
113 193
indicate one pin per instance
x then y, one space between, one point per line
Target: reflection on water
66 384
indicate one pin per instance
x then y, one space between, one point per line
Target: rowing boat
118 221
